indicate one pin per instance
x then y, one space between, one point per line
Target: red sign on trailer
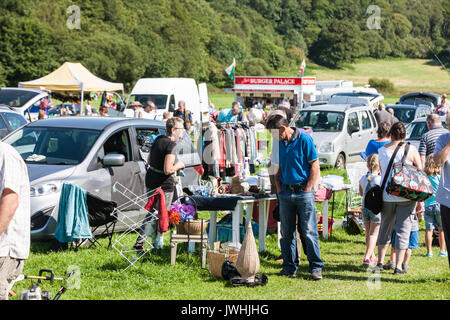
274 81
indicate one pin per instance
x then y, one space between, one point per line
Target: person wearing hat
137 108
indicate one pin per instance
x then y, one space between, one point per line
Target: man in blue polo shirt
298 174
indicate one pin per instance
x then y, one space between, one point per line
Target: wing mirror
113 160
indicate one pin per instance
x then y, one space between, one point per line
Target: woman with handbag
396 211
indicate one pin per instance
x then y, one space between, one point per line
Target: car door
129 178
354 144
367 129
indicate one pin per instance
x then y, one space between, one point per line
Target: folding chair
101 221
121 244
354 173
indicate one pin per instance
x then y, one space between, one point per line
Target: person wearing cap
137 108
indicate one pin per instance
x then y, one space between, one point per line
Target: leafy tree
340 42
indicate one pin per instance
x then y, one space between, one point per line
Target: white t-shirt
15 241
364 181
149 115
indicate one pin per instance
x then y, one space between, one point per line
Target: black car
9 121
420 98
407 113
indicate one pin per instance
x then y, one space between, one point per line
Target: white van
167 92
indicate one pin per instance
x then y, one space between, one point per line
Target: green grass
102 276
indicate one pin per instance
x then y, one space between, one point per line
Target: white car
340 131
23 101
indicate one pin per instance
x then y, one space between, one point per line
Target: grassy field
345 278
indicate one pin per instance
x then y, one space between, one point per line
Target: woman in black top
162 167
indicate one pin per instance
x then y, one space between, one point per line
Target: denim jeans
301 204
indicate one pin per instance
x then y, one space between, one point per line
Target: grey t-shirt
443 191
383 116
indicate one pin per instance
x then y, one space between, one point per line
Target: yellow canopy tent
72 77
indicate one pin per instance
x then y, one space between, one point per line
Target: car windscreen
331 121
405 115
415 130
160 100
56 146
14 120
16 98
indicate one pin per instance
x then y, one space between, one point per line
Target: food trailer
249 90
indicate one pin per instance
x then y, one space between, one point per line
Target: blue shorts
433 217
413 240
369 216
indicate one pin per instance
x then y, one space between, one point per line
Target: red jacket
163 214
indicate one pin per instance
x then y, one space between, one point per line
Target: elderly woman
383 138
397 213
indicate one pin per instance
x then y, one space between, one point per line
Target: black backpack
373 199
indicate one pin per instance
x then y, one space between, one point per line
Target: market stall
72 77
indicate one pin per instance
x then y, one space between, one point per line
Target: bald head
381 106
433 120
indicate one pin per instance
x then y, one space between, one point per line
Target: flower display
181 212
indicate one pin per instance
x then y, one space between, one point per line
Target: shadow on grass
40 246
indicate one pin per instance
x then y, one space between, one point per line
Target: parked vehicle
167 92
367 97
407 113
23 101
420 98
340 132
416 129
10 121
93 153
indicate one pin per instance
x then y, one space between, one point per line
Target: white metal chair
354 173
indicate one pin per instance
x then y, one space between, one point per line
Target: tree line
124 40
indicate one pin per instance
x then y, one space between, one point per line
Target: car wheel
340 161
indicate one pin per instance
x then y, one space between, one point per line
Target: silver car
416 129
93 153
340 132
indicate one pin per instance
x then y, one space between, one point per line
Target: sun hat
136 103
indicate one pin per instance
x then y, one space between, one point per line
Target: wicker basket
194 228
217 258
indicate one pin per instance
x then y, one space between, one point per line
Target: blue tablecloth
202 203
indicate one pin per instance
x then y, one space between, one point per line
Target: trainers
139 248
389 265
405 267
366 262
378 267
398 272
316 275
284 273
443 254
429 255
